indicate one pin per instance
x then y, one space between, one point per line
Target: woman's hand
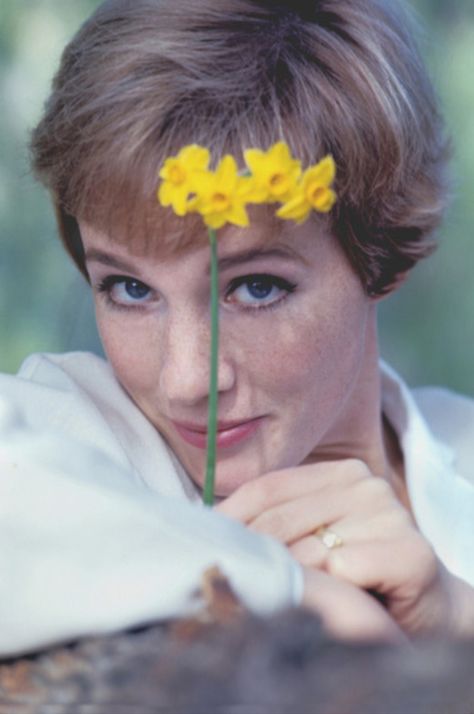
347 611
381 549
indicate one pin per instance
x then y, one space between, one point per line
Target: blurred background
427 329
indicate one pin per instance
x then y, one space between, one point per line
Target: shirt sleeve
84 552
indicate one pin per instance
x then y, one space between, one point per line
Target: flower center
315 193
220 201
276 180
278 184
177 175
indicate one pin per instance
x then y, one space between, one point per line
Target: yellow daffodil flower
179 174
275 173
221 195
314 192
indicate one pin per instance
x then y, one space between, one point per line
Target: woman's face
293 339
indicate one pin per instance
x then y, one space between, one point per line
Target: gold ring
328 537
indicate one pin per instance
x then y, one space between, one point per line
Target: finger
362 503
295 519
277 487
347 611
310 551
384 526
387 567
299 515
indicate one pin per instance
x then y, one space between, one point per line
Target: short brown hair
144 77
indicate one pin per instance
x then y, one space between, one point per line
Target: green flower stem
212 408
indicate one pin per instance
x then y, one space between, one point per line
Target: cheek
268 351
309 354
131 351
286 349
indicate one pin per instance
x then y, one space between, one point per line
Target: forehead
308 246
173 236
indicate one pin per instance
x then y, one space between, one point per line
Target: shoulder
67 367
76 396
450 417
53 382
68 376
74 393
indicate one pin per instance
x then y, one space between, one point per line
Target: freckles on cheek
344 346
132 357
282 354
313 352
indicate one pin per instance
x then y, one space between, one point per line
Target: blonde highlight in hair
142 78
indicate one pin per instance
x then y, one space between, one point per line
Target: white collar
442 501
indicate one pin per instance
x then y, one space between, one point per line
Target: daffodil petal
280 152
226 173
215 220
296 209
247 186
180 202
204 183
166 193
238 216
196 178
165 169
195 156
326 201
253 159
323 172
259 194
193 205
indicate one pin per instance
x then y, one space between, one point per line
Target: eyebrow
226 262
99 256
246 256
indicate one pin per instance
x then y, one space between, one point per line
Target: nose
185 363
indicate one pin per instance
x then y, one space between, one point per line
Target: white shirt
102 529
435 428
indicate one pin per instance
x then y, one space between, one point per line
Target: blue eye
258 291
122 291
135 289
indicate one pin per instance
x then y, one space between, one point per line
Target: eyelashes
258 291
250 293
125 292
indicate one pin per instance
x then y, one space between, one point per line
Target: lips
228 433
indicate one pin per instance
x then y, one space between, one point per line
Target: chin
228 478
